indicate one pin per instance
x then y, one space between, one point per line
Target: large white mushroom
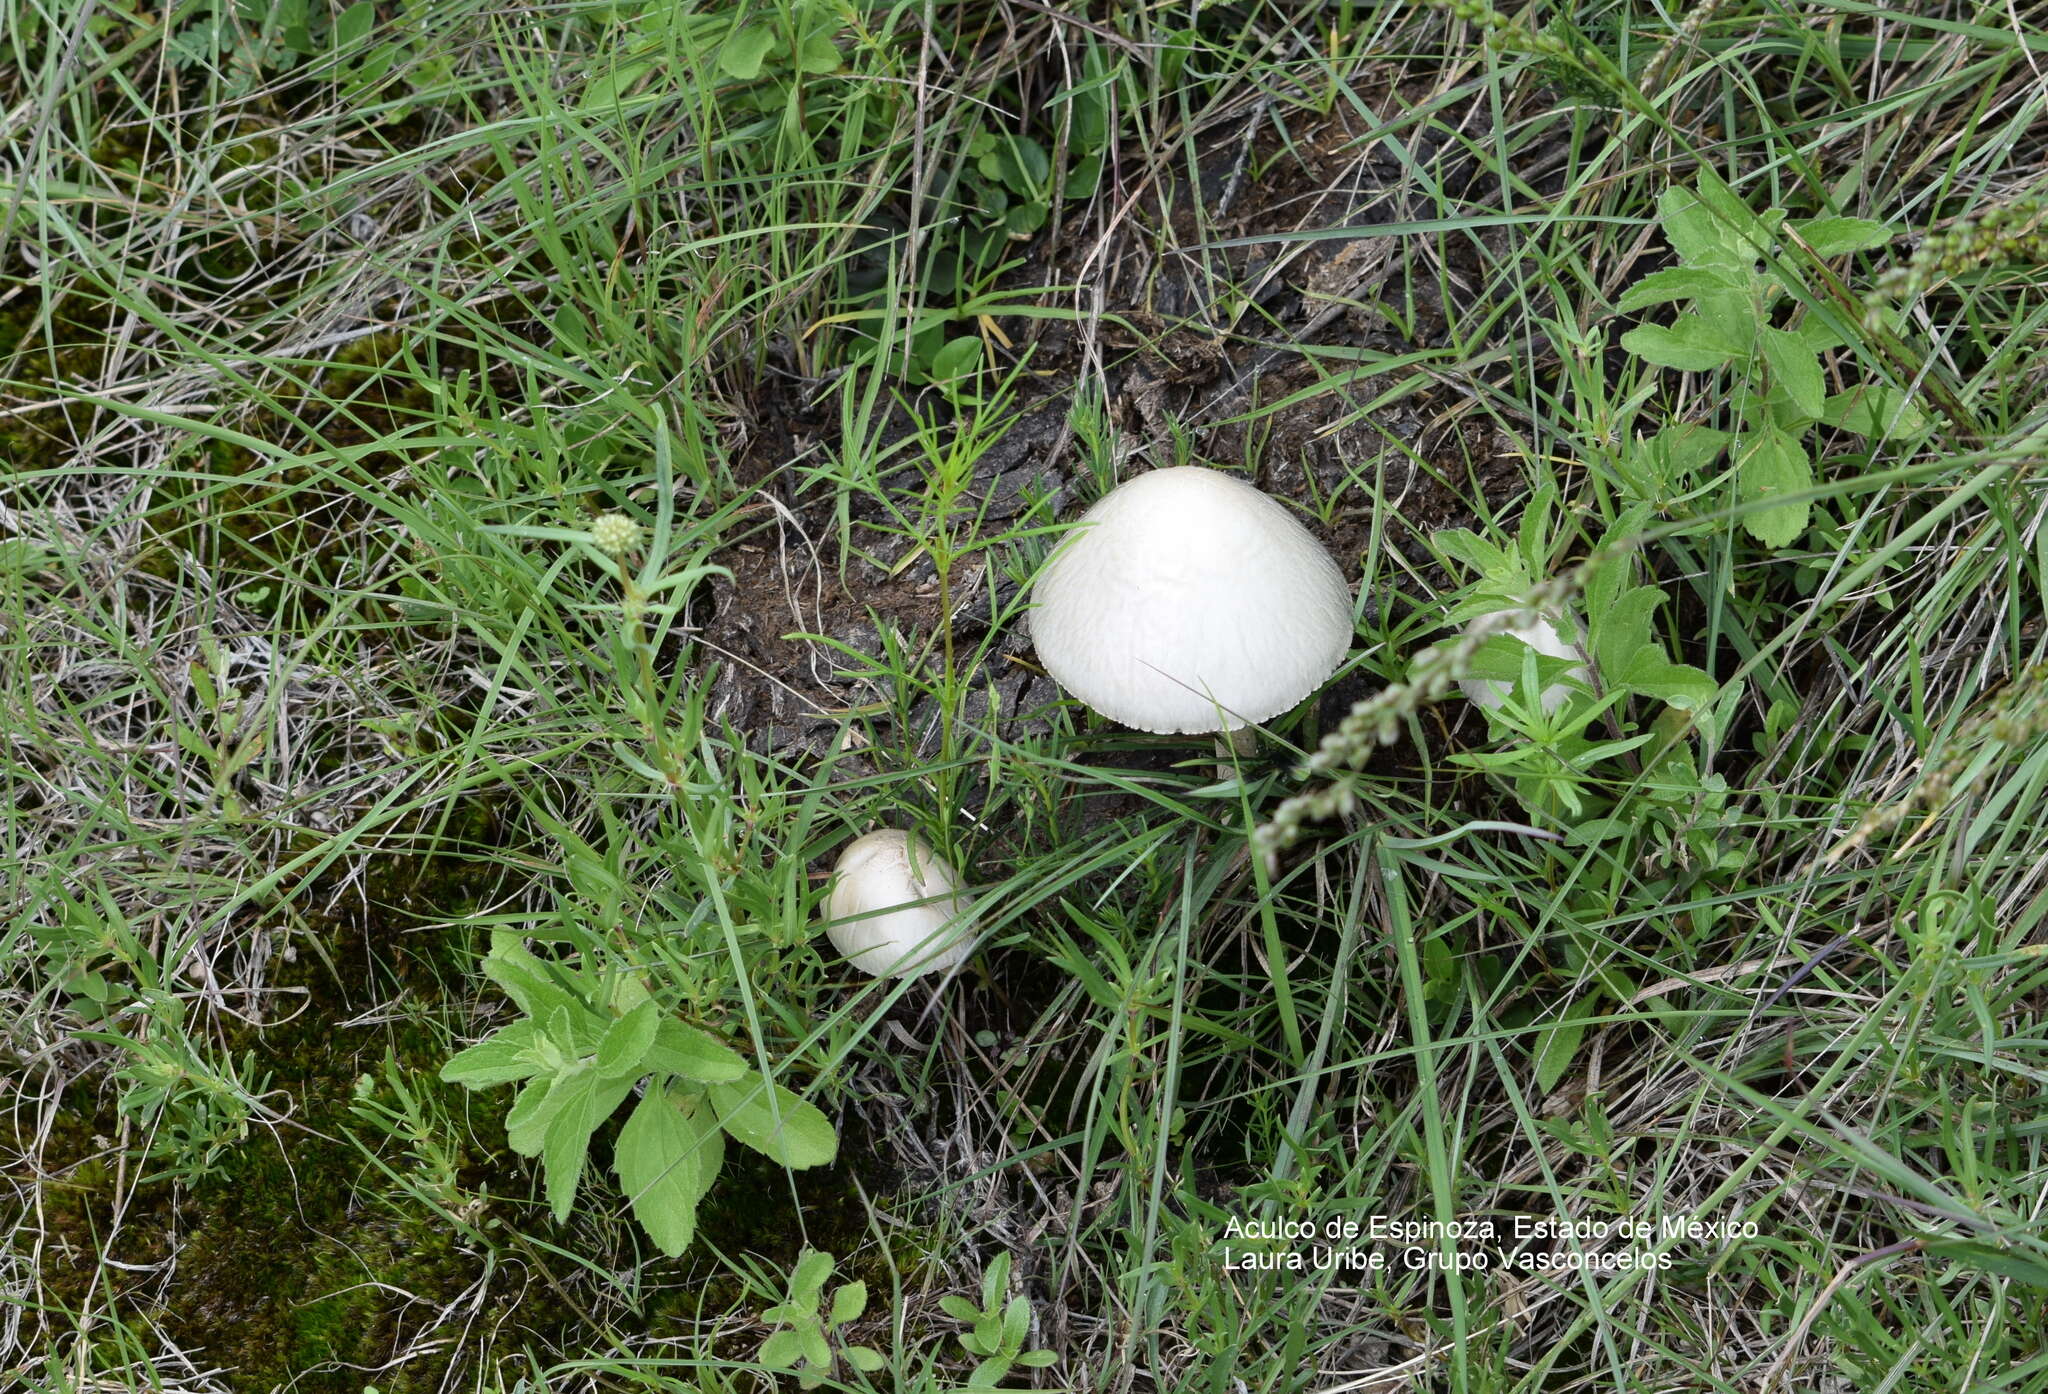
1540 634
1188 601
873 913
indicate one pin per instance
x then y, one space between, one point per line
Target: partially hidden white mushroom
1540 634
873 914
1188 601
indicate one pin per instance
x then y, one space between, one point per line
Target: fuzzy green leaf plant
1734 316
582 1045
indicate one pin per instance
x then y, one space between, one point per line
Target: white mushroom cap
1186 600
871 917
1541 635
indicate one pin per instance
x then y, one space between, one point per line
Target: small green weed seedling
808 1339
1780 392
249 41
1569 750
999 1328
589 1034
191 1103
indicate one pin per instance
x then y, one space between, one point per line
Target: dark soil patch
806 598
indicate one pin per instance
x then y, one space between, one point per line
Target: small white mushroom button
895 909
1541 635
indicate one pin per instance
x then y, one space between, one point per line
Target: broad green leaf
1689 345
1503 656
1023 164
560 1031
627 992
353 24
817 53
626 1041
1730 317
864 1358
524 978
807 1280
1700 238
1676 283
1025 219
698 1118
781 1350
502 1058
1742 229
1464 545
657 1161
1626 648
1818 334
1875 410
1591 832
1834 237
1773 464
959 357
692 1054
959 1308
775 1122
604 91
1557 1047
1681 453
526 1125
816 1349
1652 674
1794 370
745 51
849 1300
587 1102
1621 626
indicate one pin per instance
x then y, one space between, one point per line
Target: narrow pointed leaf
587 1101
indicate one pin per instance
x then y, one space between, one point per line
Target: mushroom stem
1234 747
